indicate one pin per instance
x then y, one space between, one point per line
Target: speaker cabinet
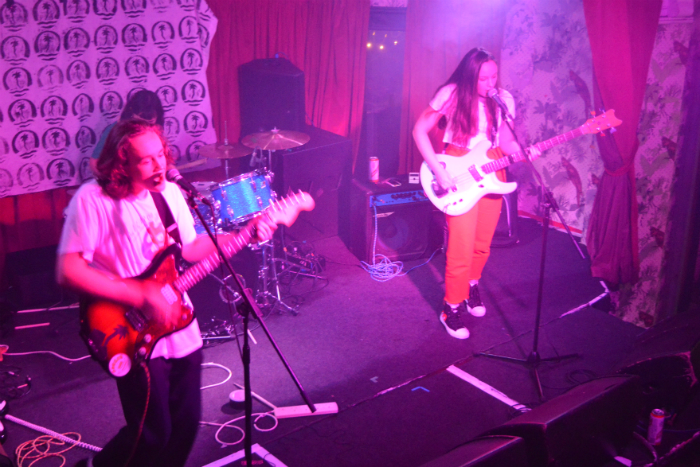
271 96
488 451
321 167
31 276
506 233
401 216
581 428
667 360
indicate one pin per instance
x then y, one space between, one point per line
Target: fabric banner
68 68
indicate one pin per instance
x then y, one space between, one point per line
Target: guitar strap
166 216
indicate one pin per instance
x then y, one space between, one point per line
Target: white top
445 101
121 238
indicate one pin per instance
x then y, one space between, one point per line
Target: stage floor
375 348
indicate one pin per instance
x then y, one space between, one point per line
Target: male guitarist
471 118
112 232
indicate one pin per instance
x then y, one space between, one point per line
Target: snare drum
242 197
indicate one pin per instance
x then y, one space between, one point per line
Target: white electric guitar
475 173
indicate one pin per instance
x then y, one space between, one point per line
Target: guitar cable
145 411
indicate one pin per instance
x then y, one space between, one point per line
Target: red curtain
29 221
438 34
324 38
622 35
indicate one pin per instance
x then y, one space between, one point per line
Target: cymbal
276 139
224 151
189 165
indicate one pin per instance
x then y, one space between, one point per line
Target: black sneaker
474 305
452 322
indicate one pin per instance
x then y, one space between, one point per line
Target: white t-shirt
445 101
121 238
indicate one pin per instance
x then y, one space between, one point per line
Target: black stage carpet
375 348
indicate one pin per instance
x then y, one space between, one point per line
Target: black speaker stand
532 362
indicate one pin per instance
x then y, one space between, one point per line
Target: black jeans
174 411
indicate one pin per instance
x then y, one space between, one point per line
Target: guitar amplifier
398 222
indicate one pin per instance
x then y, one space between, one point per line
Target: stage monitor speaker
584 427
271 95
667 360
487 451
405 227
321 168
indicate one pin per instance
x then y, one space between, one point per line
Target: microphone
174 175
493 94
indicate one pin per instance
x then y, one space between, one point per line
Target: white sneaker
474 305
453 323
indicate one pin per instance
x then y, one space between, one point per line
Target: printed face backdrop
68 67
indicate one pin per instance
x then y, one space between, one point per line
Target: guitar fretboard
200 270
505 161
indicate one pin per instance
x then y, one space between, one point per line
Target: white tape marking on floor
490 390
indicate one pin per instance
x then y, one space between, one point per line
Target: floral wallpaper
655 167
546 64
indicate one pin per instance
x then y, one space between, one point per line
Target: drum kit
234 201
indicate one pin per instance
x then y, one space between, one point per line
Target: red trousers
470 235
469 246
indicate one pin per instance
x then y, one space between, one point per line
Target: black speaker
667 360
584 427
31 276
488 451
394 221
321 167
271 95
506 233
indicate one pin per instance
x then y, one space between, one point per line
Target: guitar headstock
601 122
286 210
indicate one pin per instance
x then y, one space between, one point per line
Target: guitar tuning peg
593 113
612 130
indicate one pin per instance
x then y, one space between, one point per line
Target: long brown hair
465 119
112 166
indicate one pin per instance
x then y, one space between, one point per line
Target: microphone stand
247 307
532 362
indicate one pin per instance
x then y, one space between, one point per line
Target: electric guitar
120 336
475 173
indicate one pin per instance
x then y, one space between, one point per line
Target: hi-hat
276 139
224 151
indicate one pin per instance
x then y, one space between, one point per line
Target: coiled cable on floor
385 269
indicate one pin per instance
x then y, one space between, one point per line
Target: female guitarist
469 117
113 231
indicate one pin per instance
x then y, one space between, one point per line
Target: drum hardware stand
268 279
247 307
532 362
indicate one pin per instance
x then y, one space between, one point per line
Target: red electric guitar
120 336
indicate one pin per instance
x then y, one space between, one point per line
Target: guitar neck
200 270
505 161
